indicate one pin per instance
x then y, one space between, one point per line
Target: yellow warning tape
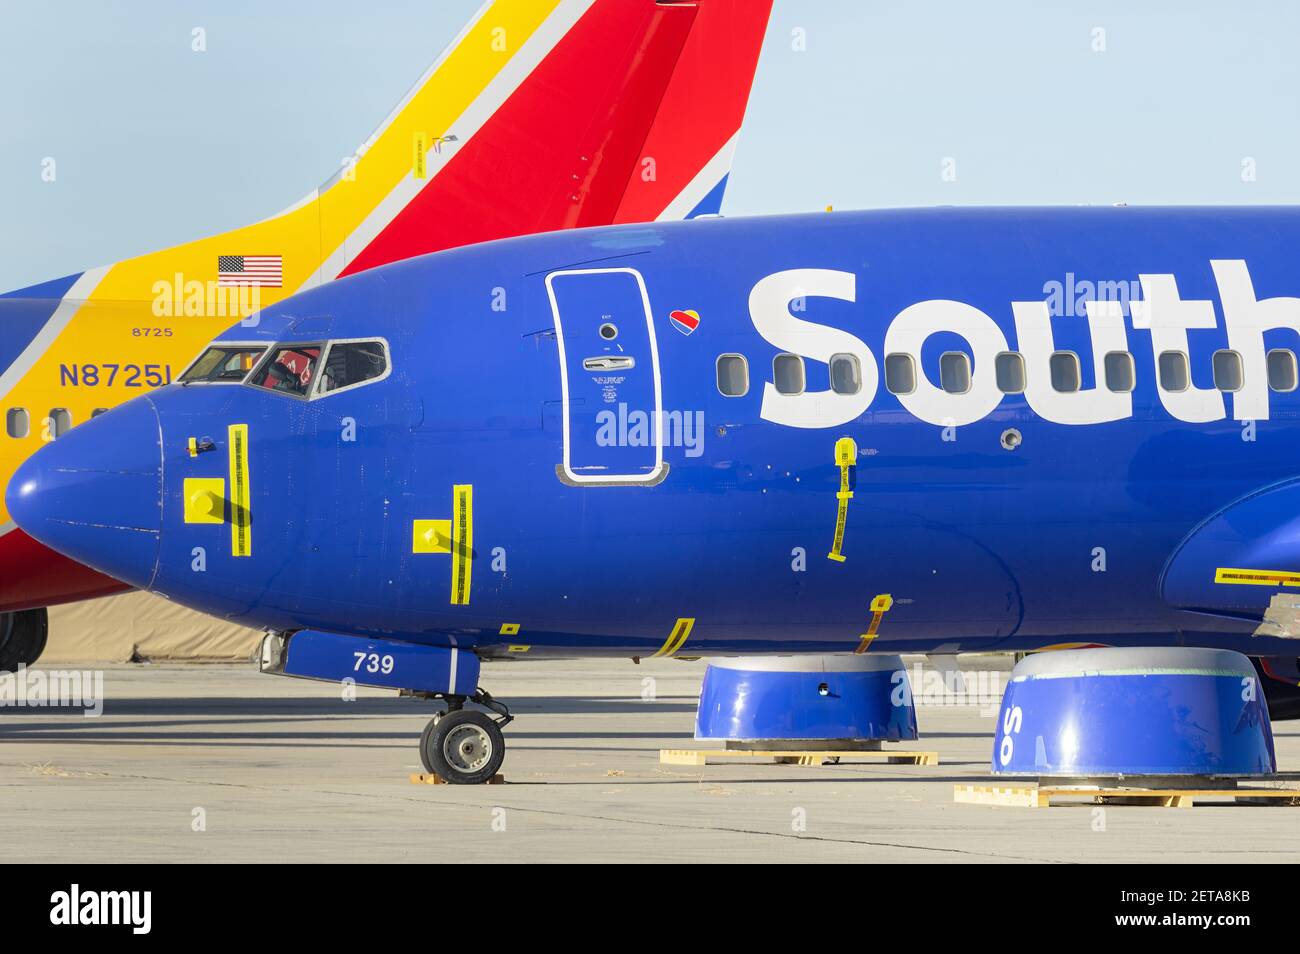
846 455
241 537
1225 574
681 632
879 607
462 542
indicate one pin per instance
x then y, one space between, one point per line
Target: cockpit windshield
306 370
224 363
290 370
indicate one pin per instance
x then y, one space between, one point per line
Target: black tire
464 747
22 638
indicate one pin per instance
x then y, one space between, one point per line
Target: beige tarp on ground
142 626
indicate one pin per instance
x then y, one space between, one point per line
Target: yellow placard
205 499
431 536
420 146
241 519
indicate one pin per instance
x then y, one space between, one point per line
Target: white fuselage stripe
704 182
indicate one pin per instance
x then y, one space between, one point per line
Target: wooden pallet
702 756
428 778
1032 795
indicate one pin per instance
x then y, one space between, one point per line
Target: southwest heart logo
685 321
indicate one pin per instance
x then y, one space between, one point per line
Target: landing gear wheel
22 638
464 747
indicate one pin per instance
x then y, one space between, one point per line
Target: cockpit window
290 370
350 363
230 363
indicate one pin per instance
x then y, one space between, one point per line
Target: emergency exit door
609 376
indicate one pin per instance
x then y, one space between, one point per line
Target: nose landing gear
464 746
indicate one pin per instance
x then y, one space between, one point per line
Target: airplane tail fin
612 111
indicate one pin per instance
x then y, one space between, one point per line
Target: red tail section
635 105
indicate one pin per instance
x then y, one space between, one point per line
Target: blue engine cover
865 698
388 664
1108 712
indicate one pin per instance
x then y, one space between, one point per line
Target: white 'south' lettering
1161 312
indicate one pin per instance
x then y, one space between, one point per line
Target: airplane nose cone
95 493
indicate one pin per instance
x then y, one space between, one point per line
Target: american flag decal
264 270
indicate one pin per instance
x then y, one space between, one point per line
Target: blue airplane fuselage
550 462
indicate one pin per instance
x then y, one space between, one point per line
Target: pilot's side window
59 422
787 374
291 370
1172 369
733 375
1118 367
1228 374
1064 367
900 373
98 411
350 363
954 372
846 374
1281 370
18 422
1009 369
223 363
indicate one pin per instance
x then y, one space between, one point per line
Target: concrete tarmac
221 763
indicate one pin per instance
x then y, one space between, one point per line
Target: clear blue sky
156 144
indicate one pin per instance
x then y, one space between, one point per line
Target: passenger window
787 373
353 362
291 370
1173 370
1010 372
1281 370
954 372
1064 367
60 421
900 374
846 374
17 422
733 375
1119 372
1228 374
